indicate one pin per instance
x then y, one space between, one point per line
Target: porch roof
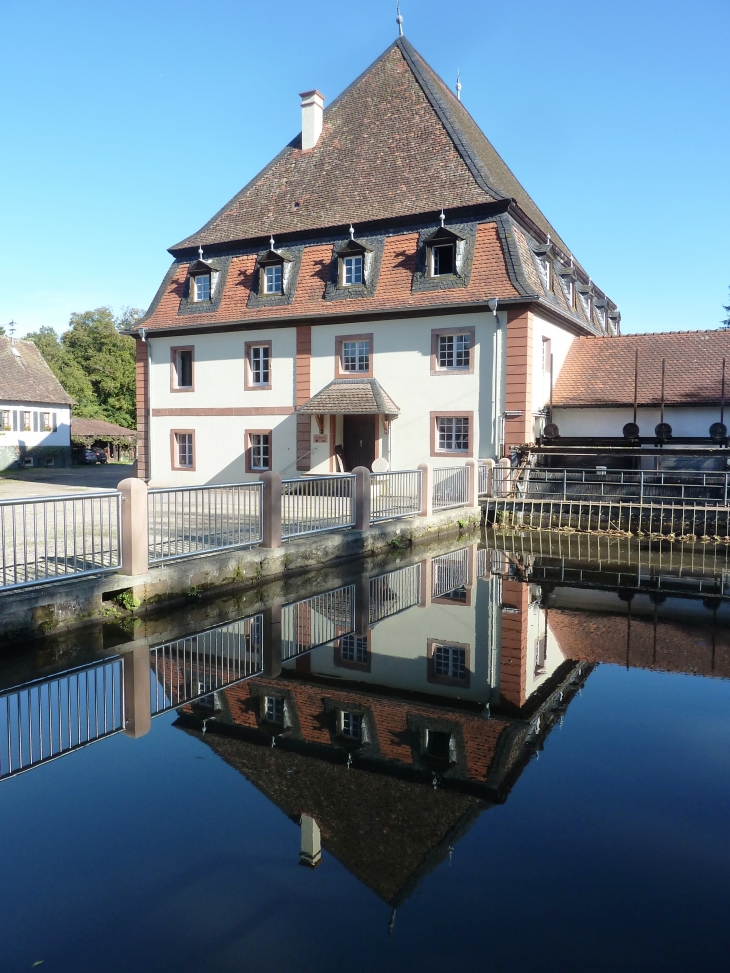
351 396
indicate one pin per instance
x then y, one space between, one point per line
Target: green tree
95 363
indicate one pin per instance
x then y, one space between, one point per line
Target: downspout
148 405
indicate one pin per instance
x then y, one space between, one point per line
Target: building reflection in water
384 715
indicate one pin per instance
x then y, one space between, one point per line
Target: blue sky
127 125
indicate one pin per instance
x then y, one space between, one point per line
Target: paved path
72 479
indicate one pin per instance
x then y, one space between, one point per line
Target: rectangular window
5 419
26 421
259 362
569 291
540 653
272 279
352 271
274 709
258 450
354 648
355 356
202 287
182 369
442 260
454 350
351 726
183 450
545 270
47 427
449 661
453 434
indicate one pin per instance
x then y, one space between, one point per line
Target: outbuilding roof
351 396
99 429
600 371
26 377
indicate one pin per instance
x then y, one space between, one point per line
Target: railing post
489 463
272 641
137 712
135 529
502 473
362 497
473 474
271 509
362 605
426 489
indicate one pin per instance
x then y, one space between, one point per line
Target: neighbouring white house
35 411
678 378
384 290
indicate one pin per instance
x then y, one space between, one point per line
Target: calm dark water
580 821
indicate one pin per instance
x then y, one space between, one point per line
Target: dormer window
272 273
202 287
546 269
201 281
351 263
442 253
569 287
587 302
352 271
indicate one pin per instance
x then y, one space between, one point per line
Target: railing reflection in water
42 720
316 621
192 668
394 592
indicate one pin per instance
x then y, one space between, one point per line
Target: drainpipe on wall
148 407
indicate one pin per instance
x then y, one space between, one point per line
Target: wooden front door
358 446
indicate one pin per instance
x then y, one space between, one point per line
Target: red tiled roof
600 371
489 278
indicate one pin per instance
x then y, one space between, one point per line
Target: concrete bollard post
272 641
426 489
424 596
362 498
135 536
271 509
362 605
473 467
501 472
489 463
137 692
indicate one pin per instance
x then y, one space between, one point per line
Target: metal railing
197 667
394 495
449 572
644 486
47 718
450 487
394 592
317 621
186 521
483 481
48 539
314 504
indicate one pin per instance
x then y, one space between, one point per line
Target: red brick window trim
450 347
257 367
182 449
349 349
182 368
457 426
259 447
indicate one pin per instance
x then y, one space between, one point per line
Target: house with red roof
383 289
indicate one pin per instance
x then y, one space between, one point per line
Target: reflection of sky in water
610 851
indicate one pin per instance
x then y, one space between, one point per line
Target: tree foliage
95 363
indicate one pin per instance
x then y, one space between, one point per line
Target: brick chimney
312 112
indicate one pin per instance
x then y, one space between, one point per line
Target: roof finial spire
458 85
271 241
11 332
548 239
399 18
442 217
352 232
200 252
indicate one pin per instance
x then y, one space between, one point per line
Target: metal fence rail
186 521
51 538
687 520
47 718
449 572
483 482
644 486
316 621
196 667
313 504
396 494
450 487
394 592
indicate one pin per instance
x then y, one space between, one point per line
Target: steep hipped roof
25 376
356 396
395 143
600 371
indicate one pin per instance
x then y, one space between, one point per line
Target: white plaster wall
538 623
30 439
560 342
402 365
684 420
